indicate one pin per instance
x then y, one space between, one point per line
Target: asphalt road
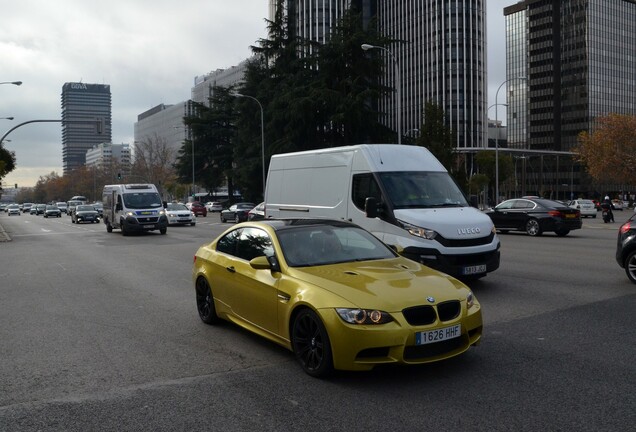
100 332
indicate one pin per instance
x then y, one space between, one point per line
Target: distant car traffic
179 214
237 212
71 206
626 248
585 206
85 213
257 213
214 206
197 208
26 207
62 206
34 209
13 210
535 216
52 211
334 295
39 209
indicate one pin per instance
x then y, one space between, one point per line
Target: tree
213 137
153 163
609 152
486 161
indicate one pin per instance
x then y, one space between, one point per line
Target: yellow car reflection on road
333 294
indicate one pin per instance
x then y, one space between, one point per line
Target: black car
52 211
626 248
237 212
39 209
535 216
85 213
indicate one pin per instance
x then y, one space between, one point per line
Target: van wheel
163 230
124 231
109 228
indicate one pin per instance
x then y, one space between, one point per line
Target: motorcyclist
607 206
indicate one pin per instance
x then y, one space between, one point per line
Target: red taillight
626 227
194 260
555 213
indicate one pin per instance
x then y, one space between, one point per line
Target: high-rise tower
86 121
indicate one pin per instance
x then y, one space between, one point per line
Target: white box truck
134 208
400 193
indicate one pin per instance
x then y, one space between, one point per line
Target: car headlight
470 300
364 316
130 213
418 231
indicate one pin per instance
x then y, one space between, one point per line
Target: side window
254 242
229 243
363 186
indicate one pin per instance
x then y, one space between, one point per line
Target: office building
579 57
164 124
204 84
86 121
440 50
110 155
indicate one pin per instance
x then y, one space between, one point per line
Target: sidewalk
4 236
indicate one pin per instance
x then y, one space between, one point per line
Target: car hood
390 284
451 222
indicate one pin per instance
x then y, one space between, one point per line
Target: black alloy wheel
205 302
311 345
630 266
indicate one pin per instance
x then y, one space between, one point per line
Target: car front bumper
361 347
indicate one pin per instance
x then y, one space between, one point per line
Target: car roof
283 224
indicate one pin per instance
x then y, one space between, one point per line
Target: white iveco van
134 208
400 193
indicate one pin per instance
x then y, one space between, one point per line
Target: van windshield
421 189
142 200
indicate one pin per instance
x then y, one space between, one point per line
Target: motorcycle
606 213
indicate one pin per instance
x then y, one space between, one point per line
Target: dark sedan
237 212
626 248
52 211
85 213
535 216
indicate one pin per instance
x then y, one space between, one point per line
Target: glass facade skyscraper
579 57
441 56
86 121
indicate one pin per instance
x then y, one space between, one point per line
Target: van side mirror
371 207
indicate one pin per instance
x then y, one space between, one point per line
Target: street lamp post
6 118
12 82
497 139
262 135
398 86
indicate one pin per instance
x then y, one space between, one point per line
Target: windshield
142 200
316 245
173 206
420 189
81 208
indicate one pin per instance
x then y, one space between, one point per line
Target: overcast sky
148 51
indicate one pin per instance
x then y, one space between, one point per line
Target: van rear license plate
476 269
427 337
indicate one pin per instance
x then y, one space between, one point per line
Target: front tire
311 345
163 230
205 302
237 219
533 228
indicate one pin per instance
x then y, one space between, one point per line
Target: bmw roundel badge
430 299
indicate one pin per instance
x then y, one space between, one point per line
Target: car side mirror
260 263
371 207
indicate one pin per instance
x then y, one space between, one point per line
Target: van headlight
418 231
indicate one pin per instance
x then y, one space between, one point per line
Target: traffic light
118 176
16 185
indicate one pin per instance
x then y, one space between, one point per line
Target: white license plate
476 269
438 335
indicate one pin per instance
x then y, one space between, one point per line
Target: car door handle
230 269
